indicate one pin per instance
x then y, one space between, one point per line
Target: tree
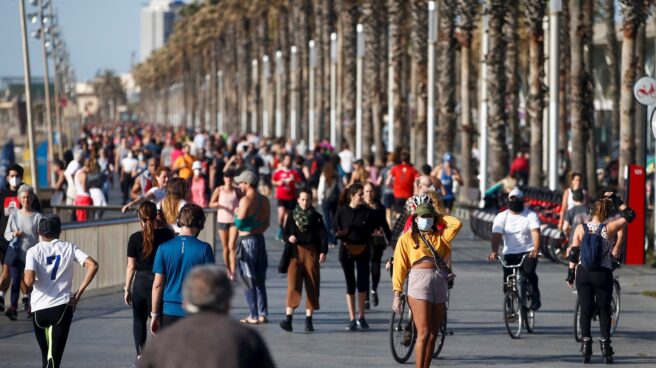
577 92
446 87
398 24
511 34
420 58
467 12
498 148
612 53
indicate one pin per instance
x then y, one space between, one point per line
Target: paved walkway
101 334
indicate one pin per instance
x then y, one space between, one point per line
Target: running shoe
11 314
374 298
363 323
351 326
25 303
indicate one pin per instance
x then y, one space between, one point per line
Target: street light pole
28 96
333 89
554 88
221 111
254 75
55 57
311 123
390 93
482 147
293 97
279 71
358 90
265 95
46 85
430 116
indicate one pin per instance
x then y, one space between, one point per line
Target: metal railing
93 212
106 241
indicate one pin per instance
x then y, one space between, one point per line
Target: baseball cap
246 177
50 225
196 165
425 209
447 157
516 193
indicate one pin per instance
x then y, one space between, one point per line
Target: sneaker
363 323
351 326
25 303
11 314
374 298
287 325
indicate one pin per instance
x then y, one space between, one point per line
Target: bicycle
615 307
403 333
515 314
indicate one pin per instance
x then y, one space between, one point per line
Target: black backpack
592 248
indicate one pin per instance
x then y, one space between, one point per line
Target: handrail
126 219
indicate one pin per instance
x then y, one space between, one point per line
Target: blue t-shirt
174 260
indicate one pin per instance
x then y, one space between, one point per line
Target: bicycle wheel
402 334
439 342
512 314
615 304
529 319
577 321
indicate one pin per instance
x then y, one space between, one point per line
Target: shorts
448 203
14 257
288 204
388 200
224 225
428 284
399 204
265 179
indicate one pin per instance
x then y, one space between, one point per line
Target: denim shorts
428 284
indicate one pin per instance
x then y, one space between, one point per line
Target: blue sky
99 34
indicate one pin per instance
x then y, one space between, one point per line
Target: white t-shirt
516 230
159 194
53 264
346 160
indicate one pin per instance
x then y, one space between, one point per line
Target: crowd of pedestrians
324 200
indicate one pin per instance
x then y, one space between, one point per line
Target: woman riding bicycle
594 283
424 256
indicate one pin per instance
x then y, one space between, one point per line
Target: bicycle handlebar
505 265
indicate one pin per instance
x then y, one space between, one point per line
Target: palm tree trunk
213 96
564 84
497 119
588 102
373 18
285 44
576 100
419 43
612 53
467 11
397 16
512 74
446 88
535 10
641 111
349 23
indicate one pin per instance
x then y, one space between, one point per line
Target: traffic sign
645 91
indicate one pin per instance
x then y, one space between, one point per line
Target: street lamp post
333 89
293 98
266 73
254 77
390 93
41 34
221 97
279 71
28 95
554 87
430 116
313 65
482 147
358 90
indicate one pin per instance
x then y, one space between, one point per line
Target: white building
156 25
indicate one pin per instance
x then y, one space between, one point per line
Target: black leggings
378 245
595 290
349 264
51 326
141 304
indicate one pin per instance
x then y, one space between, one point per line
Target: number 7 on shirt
56 259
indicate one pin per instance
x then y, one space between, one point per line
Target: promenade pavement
101 334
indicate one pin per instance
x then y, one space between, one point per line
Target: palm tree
634 14
349 21
588 101
577 92
511 28
398 23
535 10
446 88
564 78
612 51
467 12
419 45
498 162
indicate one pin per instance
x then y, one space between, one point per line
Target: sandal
262 319
249 321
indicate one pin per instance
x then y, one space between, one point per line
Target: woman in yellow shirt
427 276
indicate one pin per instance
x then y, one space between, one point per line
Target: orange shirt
183 163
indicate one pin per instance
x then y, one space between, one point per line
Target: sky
100 34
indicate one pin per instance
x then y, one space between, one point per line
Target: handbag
440 263
285 257
355 249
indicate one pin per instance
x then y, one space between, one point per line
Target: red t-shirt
404 178
287 190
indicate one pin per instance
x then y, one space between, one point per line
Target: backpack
592 248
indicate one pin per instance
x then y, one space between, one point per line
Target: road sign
645 91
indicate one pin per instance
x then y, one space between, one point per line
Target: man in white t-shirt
519 229
49 272
346 158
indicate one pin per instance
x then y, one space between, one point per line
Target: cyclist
423 255
594 285
519 228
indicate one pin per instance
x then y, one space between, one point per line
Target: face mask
141 157
424 224
197 172
516 206
15 181
129 155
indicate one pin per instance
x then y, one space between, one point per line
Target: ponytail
148 215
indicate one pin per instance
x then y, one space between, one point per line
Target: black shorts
288 204
399 204
448 203
265 179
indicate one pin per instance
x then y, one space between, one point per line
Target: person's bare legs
232 242
421 316
436 317
350 303
223 235
5 279
282 216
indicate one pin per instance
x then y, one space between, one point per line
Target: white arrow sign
645 91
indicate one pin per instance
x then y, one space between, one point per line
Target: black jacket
314 235
359 222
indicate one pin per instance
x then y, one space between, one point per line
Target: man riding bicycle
519 228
